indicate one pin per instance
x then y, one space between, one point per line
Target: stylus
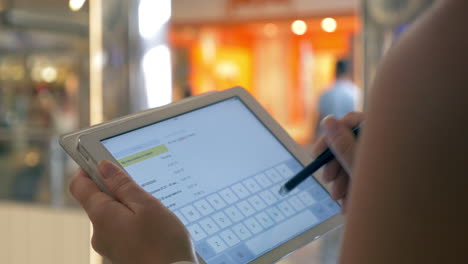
321 160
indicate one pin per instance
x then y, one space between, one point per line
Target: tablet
217 161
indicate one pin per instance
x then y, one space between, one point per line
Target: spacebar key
282 232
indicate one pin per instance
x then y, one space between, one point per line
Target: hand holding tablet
134 227
216 161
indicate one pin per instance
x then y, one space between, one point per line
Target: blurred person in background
343 96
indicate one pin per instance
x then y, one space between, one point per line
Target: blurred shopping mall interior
69 64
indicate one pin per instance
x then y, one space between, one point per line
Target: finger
319 146
330 171
353 119
88 194
341 141
340 186
121 185
344 204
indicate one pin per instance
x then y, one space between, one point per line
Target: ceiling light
76 5
329 25
299 27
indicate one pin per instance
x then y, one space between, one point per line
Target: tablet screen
219 169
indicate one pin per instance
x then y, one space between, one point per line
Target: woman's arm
409 201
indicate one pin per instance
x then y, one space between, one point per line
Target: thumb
120 184
341 141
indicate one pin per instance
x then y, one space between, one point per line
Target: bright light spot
208 45
299 27
329 25
157 74
98 60
152 15
227 69
270 30
76 5
32 158
49 74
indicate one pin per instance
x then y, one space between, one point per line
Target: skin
339 138
134 227
408 202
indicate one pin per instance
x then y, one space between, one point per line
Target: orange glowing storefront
285 67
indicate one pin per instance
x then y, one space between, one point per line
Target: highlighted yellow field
143 155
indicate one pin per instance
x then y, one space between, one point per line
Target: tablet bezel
89 143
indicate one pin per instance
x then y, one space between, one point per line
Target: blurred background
65 65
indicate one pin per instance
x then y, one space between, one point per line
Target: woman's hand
339 138
134 227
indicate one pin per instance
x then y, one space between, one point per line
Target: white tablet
217 161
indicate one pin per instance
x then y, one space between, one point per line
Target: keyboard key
263 180
216 243
253 225
252 185
306 198
318 193
274 176
209 226
228 196
222 259
229 237
275 191
285 171
222 220
268 197
294 165
241 231
240 190
196 232
320 212
331 205
296 203
241 254
307 183
275 214
246 208
203 207
190 213
264 220
281 232
216 201
234 214
205 250
181 217
257 202
295 191
286 208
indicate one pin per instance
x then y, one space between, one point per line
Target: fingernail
108 169
330 126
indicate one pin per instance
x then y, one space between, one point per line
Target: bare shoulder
408 202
